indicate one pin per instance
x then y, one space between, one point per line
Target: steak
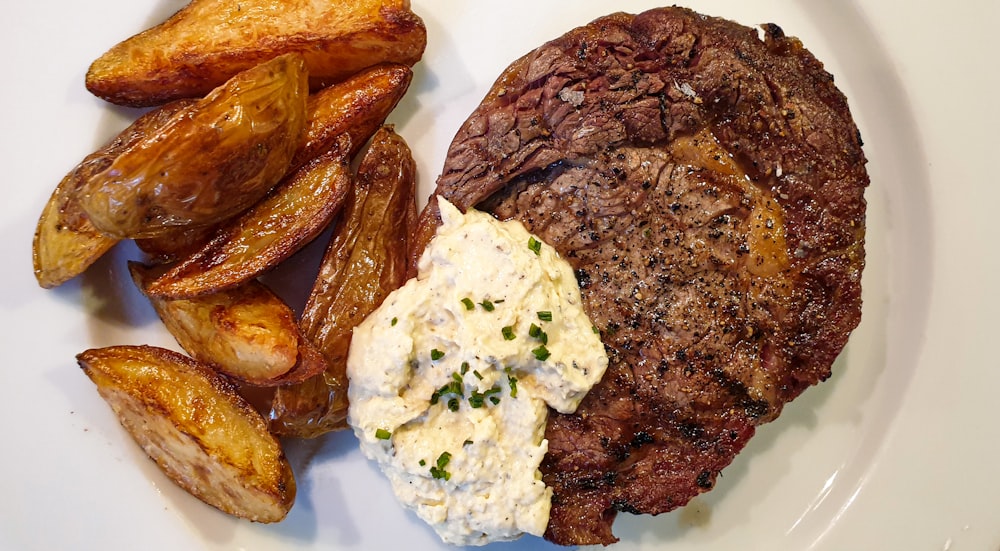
706 183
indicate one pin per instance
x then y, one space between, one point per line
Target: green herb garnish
545 315
436 354
487 305
476 399
469 305
508 333
394 321
437 471
541 353
536 332
535 245
382 434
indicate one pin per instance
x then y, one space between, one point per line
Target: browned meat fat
707 186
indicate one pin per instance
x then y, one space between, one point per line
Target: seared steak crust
707 186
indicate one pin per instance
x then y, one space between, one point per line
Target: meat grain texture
706 183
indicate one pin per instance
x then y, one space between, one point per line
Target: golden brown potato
357 107
210 161
371 94
65 241
209 41
177 243
365 261
268 233
245 332
342 117
199 431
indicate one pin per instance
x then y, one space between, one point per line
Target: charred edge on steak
707 188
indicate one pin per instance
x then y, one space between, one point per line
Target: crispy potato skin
210 161
268 233
177 243
341 119
209 41
199 431
356 107
365 261
247 332
65 241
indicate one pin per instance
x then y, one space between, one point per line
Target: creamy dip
451 376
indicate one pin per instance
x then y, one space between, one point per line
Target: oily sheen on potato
192 422
211 160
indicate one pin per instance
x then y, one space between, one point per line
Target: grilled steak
706 184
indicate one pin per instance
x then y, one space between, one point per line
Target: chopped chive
423 463
435 397
535 245
545 315
487 305
595 329
508 333
541 353
453 404
440 473
394 321
469 305
513 386
443 459
476 399
495 400
477 374
536 333
457 377
436 354
465 367
382 434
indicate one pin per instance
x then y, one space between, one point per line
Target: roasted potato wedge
178 243
365 261
357 107
210 161
209 41
247 333
199 431
269 232
342 118
65 241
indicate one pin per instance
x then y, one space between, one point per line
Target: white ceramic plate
896 451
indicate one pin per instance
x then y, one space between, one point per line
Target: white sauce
490 489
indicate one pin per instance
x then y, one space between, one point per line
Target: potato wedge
209 41
245 332
306 201
178 243
65 241
268 233
199 431
365 261
357 107
210 161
